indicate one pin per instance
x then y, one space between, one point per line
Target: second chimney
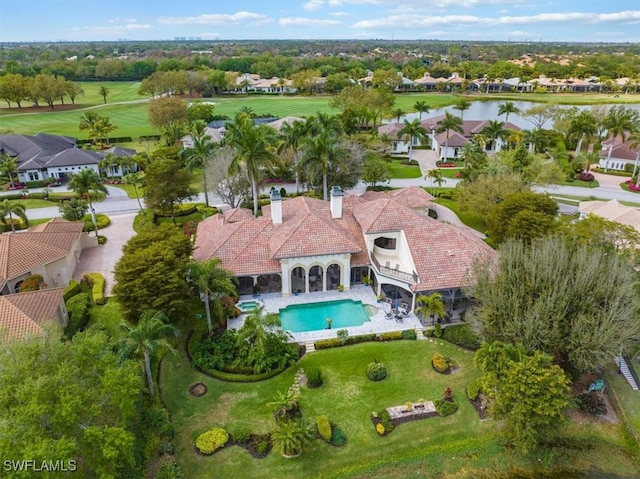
336 202
276 207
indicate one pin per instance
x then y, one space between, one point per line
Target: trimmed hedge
71 290
78 311
365 338
97 282
376 371
102 221
324 427
461 335
314 377
444 407
612 172
212 440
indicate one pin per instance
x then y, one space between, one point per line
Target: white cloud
307 22
123 20
215 19
313 4
339 14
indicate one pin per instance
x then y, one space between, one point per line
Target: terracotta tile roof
442 253
455 139
25 313
58 225
20 253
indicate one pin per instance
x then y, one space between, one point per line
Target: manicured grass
563 98
582 184
35 203
450 172
469 218
38 221
130 190
625 187
397 169
180 219
347 397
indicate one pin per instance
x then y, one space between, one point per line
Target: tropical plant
147 339
495 130
506 109
83 184
398 113
8 167
292 437
619 122
199 154
421 107
430 306
462 104
413 130
211 280
7 208
254 146
137 181
582 125
436 177
291 137
448 123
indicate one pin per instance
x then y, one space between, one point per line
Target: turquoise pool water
299 318
246 306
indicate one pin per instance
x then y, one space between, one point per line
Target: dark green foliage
151 274
390 336
101 220
437 330
262 447
591 403
314 377
71 290
102 239
461 335
96 282
473 389
409 334
385 420
74 209
376 371
241 434
328 343
31 283
444 407
338 437
333 342
78 311
167 186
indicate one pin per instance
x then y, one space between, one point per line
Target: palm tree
471 153
414 130
436 177
83 184
462 104
8 167
506 109
199 155
495 130
430 306
137 181
102 128
255 333
88 121
210 279
398 113
253 147
618 122
148 338
9 209
291 136
292 437
448 123
538 139
583 125
421 107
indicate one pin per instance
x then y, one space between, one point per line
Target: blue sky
501 20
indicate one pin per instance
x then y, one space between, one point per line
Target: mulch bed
251 445
477 405
198 389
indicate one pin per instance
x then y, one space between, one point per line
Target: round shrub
212 440
338 437
102 221
314 377
439 363
376 371
380 429
324 427
444 407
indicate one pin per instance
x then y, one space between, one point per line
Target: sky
470 20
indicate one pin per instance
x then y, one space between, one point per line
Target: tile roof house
622 153
26 313
51 250
303 245
45 156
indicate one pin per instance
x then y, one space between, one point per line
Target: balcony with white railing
392 267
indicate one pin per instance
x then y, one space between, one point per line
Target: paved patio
378 323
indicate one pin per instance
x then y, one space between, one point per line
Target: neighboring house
438 140
427 82
51 250
25 313
304 245
611 210
621 154
517 84
45 156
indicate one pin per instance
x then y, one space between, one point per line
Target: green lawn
450 172
581 184
469 218
397 169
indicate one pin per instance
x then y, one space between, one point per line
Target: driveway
103 258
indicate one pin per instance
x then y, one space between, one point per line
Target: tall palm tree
619 121
436 177
255 333
506 109
495 130
462 104
291 136
430 306
253 146
398 113
199 155
102 128
472 153
421 107
413 130
8 167
88 121
148 338
9 209
584 124
211 280
538 139
137 181
83 184
448 123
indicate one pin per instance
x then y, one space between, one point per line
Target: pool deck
378 323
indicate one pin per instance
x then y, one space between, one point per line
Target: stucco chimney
336 202
276 207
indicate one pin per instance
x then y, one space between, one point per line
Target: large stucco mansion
305 245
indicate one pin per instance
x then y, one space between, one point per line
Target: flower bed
447 165
632 186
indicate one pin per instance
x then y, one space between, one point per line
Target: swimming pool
248 305
344 313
